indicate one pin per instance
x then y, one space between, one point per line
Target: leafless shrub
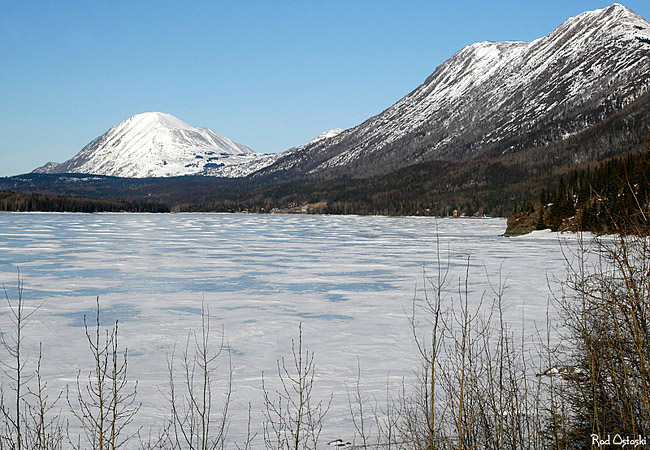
606 303
44 424
292 421
106 404
359 414
250 437
25 424
193 422
476 388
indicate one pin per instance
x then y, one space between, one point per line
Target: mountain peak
156 144
616 8
159 119
616 15
611 10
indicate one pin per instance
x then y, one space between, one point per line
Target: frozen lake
347 279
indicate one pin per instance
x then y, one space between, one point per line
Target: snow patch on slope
326 135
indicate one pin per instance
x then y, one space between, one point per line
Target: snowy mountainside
326 135
295 152
494 93
155 144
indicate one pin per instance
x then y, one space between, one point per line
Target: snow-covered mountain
489 98
495 97
155 144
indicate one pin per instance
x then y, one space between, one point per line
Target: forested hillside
17 201
610 198
492 185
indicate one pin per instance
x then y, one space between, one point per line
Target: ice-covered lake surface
349 280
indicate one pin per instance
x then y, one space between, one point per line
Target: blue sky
267 74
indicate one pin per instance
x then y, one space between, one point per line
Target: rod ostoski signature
618 440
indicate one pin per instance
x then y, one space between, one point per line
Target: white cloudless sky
267 74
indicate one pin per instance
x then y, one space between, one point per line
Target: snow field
349 280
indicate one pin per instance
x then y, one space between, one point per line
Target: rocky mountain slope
499 97
155 144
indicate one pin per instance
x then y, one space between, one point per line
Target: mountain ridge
590 66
